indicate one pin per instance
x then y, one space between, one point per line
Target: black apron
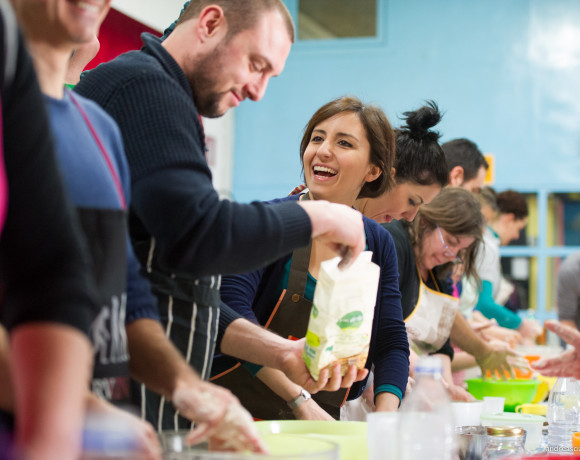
105 231
189 312
289 319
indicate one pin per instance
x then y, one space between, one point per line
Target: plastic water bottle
426 426
563 414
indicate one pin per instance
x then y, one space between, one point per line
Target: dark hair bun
419 122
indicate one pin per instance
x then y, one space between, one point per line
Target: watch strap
302 397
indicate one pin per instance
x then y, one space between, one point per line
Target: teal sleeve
490 309
252 368
388 388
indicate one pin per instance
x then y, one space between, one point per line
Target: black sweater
173 199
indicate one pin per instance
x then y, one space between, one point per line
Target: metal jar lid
505 431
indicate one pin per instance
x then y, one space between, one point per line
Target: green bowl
351 437
515 391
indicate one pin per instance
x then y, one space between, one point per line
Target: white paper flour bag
341 320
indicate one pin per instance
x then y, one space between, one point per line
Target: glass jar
503 441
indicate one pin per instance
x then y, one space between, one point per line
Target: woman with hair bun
420 169
421 172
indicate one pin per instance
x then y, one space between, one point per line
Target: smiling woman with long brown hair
347 153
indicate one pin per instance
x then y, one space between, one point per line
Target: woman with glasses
420 170
445 232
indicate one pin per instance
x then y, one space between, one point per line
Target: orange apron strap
226 372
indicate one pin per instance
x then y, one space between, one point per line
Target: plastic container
426 427
503 442
467 413
563 413
108 438
493 404
382 436
533 424
515 391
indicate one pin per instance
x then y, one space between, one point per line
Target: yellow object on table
544 388
531 408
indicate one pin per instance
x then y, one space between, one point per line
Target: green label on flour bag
351 320
314 311
312 339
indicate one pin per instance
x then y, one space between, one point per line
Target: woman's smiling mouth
323 172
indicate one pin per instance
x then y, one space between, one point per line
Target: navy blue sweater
173 198
255 294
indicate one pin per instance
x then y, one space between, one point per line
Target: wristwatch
302 397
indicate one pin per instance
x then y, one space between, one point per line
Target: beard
205 72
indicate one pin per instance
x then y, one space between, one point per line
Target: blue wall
505 72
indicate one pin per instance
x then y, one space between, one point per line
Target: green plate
515 391
281 447
351 437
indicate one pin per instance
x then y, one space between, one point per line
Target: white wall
219 134
153 13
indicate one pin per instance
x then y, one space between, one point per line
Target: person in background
467 165
506 227
425 263
126 333
420 170
488 328
488 199
48 299
420 173
418 150
467 169
568 291
347 152
446 231
82 55
220 53
566 364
